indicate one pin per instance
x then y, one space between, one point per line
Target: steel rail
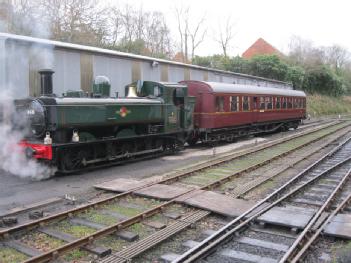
227 231
143 245
299 256
69 213
303 235
259 181
136 253
252 152
261 147
111 229
133 251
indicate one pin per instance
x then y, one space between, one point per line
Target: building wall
15 67
197 75
67 71
151 72
117 70
75 69
175 73
3 65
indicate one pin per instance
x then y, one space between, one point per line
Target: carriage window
269 103
289 103
246 103
262 104
296 105
284 103
234 103
255 102
277 103
219 104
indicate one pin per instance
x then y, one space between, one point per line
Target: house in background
260 47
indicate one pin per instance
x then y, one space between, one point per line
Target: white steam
19 60
12 157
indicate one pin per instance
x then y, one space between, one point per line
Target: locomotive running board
114 163
125 155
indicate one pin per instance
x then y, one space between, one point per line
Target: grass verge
318 105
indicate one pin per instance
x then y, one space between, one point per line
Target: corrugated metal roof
102 51
218 87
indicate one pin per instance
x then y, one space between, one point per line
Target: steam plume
12 157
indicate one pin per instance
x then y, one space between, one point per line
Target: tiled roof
260 47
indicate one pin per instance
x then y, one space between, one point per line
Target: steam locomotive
78 130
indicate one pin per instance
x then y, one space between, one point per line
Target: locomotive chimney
46 82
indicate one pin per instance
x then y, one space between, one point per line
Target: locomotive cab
177 104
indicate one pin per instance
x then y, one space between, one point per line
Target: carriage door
256 108
178 100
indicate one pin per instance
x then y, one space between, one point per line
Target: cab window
157 91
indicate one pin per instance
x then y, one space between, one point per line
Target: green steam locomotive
78 131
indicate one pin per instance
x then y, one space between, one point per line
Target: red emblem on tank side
123 111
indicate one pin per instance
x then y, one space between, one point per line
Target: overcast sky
325 22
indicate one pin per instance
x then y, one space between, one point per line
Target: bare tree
6 12
56 13
182 30
226 35
134 30
303 52
158 35
195 35
141 19
25 18
77 21
116 25
336 56
91 23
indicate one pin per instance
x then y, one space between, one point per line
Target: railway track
314 191
10 237
341 208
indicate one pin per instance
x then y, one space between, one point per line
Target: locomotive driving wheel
74 159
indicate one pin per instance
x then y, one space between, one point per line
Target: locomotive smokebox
46 82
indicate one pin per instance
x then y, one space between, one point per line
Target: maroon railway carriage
225 111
